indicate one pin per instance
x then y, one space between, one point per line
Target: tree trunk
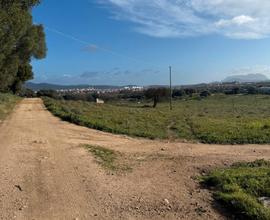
155 102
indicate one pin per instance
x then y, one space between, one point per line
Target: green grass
7 103
108 159
217 119
239 188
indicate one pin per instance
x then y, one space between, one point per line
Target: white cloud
67 75
243 19
258 69
239 20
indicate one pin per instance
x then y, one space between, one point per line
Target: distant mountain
246 78
45 86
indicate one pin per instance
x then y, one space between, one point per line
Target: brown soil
45 173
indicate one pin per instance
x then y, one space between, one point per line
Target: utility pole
170 87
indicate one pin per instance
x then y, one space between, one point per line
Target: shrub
205 94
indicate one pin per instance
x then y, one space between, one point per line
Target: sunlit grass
108 159
217 119
240 188
7 103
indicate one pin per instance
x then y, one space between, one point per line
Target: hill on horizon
248 78
49 86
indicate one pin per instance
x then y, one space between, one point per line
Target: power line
71 37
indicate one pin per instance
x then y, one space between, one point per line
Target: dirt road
45 173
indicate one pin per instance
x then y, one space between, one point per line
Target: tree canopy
20 40
156 94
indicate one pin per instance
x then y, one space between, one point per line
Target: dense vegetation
242 188
20 40
219 119
7 102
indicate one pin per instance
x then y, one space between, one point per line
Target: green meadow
219 119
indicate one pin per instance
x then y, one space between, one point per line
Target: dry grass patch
109 159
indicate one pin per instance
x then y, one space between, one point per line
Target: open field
72 172
7 102
220 119
244 188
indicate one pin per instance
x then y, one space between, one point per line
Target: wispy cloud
241 19
90 48
258 69
67 75
89 74
114 72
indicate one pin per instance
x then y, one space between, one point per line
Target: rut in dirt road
45 173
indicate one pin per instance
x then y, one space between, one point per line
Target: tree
178 93
190 91
205 94
156 94
25 92
252 90
21 40
48 93
236 90
233 91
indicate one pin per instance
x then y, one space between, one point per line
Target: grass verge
218 119
7 103
107 158
240 188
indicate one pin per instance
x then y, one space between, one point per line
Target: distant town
101 90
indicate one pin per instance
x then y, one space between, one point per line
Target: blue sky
120 42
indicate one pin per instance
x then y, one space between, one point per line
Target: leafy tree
156 94
25 92
20 40
205 94
190 91
178 93
233 91
252 90
236 90
90 97
48 93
